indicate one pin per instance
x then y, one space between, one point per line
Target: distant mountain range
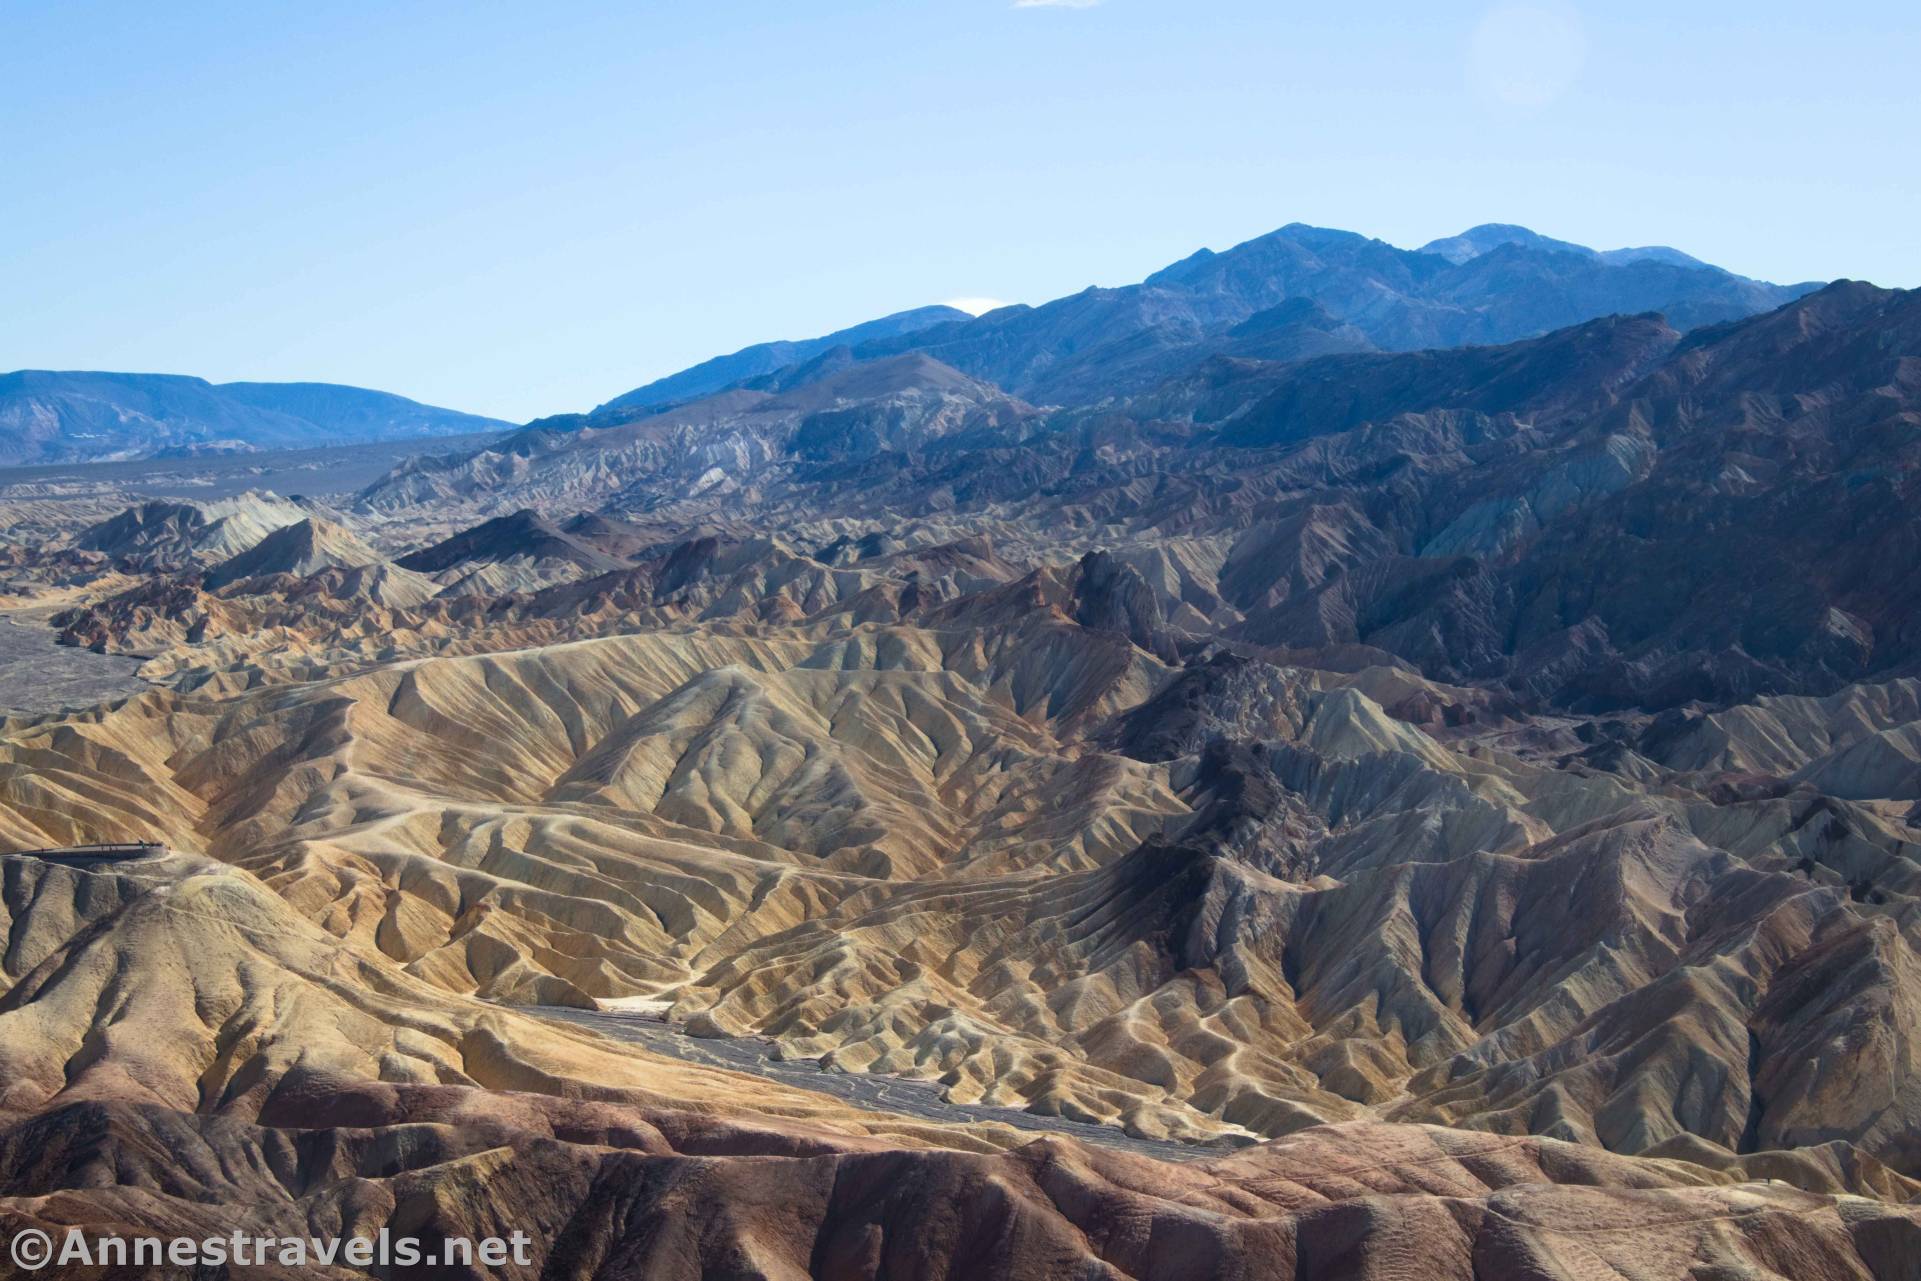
1294 294
1490 236
49 416
1298 292
1577 514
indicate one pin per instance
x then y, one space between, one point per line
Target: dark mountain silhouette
616 538
523 533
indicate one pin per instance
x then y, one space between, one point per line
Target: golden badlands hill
1020 859
187 1051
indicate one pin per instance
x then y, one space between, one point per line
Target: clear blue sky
521 209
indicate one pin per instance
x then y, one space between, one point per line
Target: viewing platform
96 855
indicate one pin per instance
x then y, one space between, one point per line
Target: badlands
1452 813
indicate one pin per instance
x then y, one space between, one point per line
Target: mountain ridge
1491 284
77 415
722 372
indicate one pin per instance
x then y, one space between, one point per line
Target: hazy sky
520 208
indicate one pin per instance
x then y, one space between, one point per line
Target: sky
520 209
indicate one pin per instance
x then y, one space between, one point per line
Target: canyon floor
38 674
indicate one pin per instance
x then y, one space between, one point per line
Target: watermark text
34 1249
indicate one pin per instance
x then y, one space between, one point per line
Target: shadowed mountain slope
722 372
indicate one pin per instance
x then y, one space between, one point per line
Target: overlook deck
95 855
